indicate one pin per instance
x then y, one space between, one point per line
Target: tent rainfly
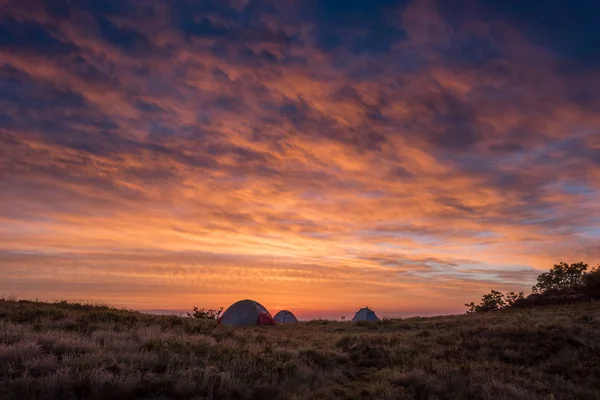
285 317
246 312
365 314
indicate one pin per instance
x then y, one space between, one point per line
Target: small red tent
246 312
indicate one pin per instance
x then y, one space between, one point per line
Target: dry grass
66 351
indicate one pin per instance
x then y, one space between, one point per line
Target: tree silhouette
561 277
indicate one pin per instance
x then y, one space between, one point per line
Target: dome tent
285 317
246 312
365 314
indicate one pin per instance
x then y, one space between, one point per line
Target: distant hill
62 351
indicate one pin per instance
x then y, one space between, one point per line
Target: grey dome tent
365 314
285 317
246 312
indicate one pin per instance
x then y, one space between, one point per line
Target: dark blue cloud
148 107
126 39
569 27
360 26
31 37
18 89
247 55
204 27
57 8
80 67
296 112
57 115
311 122
445 122
226 21
474 51
576 150
62 9
122 8
229 103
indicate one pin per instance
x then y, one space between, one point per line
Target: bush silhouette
201 313
494 301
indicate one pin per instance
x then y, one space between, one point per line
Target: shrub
494 301
511 298
201 313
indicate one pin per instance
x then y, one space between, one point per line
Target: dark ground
68 351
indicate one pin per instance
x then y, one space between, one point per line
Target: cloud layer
316 155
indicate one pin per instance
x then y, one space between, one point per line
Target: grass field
67 351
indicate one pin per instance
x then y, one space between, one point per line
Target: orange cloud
155 159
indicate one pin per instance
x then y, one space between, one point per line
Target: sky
311 155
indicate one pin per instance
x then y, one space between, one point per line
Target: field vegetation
74 351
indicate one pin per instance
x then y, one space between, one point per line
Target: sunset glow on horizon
315 156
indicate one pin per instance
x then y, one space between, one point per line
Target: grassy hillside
62 351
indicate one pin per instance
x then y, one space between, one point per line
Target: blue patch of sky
536 221
592 231
423 239
316 235
27 253
373 194
487 234
475 275
577 188
394 246
495 267
160 129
